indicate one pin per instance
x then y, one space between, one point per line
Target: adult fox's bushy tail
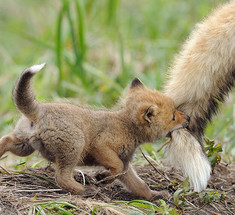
201 76
23 95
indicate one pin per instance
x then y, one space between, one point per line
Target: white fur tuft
36 68
185 153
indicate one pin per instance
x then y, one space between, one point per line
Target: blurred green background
93 49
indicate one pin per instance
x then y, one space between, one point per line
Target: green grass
55 207
148 208
92 48
120 39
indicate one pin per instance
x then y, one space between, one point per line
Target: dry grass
20 191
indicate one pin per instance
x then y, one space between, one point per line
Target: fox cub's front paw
164 194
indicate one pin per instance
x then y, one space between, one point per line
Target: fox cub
70 135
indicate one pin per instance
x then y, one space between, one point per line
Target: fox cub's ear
149 112
136 83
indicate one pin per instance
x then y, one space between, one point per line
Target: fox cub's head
153 112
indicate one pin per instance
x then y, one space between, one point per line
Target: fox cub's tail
23 95
201 76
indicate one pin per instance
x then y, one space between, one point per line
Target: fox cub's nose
188 118
187 121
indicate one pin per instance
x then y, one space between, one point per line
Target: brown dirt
19 191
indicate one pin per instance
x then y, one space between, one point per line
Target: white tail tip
36 68
185 153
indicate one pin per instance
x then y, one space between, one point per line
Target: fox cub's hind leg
18 147
65 179
67 156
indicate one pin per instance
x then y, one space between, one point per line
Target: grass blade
57 205
58 43
81 25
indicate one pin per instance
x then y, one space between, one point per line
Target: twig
227 207
41 190
167 142
104 197
213 205
83 176
5 170
155 162
196 210
111 177
33 175
190 203
224 164
214 213
152 181
154 166
3 157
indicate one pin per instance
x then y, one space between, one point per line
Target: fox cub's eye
173 117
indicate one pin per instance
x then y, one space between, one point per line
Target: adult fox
201 75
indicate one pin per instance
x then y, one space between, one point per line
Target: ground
21 192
